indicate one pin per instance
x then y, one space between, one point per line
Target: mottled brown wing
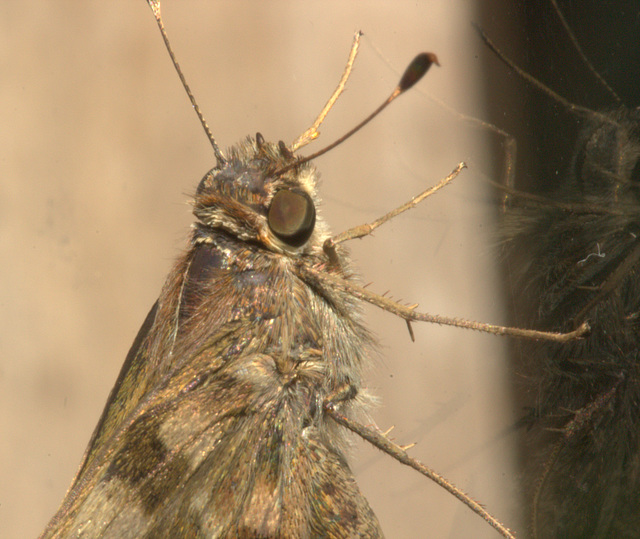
219 450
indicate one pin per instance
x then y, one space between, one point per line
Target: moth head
249 197
261 192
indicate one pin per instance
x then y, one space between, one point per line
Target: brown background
99 151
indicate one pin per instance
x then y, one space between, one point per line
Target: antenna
414 72
155 7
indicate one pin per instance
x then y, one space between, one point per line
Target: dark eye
292 217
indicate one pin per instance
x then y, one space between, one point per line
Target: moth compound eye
292 217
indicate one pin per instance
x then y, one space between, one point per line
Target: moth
196 393
572 255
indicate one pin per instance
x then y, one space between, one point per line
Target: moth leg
366 229
408 312
379 440
345 392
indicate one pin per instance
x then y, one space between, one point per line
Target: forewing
222 451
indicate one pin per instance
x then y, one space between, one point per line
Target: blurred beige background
99 150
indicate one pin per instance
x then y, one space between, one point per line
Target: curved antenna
155 7
414 72
582 55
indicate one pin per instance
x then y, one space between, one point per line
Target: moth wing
218 450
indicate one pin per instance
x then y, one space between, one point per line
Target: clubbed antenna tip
417 69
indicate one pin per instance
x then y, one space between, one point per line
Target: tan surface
98 148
